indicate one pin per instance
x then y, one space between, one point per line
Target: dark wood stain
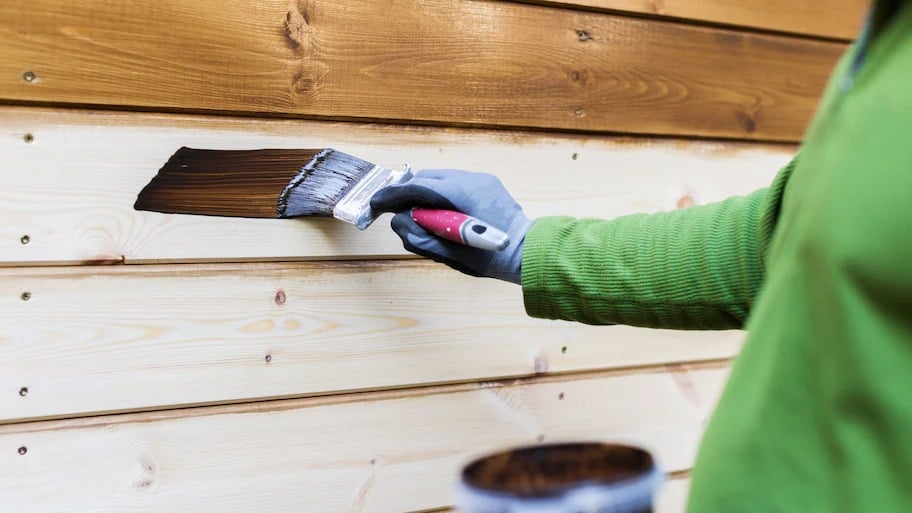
235 183
549 470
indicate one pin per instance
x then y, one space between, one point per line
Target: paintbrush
281 183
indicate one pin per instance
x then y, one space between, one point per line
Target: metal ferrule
355 207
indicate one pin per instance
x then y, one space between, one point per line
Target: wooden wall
155 362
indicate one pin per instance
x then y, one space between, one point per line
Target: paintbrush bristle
252 183
321 183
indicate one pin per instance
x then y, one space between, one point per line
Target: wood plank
378 455
428 61
108 339
829 18
672 497
71 189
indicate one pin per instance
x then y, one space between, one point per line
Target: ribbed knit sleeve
698 268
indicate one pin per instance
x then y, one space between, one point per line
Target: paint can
586 477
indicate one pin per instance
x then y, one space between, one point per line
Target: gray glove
476 194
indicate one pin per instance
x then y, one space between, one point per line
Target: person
817 414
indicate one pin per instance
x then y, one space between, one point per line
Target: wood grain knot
145 480
746 121
297 28
657 6
309 77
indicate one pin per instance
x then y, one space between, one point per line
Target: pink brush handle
458 227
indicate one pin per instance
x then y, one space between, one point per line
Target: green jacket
817 414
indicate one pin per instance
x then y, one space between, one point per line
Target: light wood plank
379 455
437 61
71 190
103 339
672 497
829 18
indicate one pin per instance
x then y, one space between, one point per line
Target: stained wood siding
835 19
471 62
153 362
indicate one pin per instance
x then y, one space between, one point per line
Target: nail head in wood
280 297
268 358
23 391
582 35
23 450
579 112
575 156
575 76
29 76
26 296
25 239
560 396
28 138
564 350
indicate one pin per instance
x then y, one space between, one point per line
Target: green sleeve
697 268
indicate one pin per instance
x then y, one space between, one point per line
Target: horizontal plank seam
679 474
124 262
341 396
404 122
685 21
220 267
282 404
156 118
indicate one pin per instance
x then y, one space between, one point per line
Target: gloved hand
476 194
